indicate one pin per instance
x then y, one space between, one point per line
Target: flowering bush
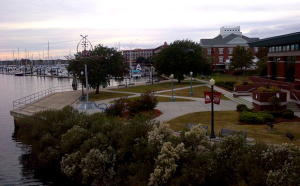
268 89
117 108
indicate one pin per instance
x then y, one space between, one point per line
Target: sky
28 25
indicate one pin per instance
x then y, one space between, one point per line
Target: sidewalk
175 109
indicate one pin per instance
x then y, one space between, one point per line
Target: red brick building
220 49
283 57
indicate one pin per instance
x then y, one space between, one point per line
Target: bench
227 132
121 85
191 125
131 84
148 82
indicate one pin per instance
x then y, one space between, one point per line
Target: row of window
284 48
230 50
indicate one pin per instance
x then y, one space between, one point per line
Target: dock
51 99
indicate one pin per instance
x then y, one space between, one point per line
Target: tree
179 58
102 62
241 59
262 61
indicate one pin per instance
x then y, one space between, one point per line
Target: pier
51 99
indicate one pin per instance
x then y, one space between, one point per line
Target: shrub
133 106
240 106
287 110
245 109
276 113
252 117
148 101
117 108
268 88
274 100
288 115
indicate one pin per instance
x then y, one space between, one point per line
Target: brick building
220 48
131 55
283 57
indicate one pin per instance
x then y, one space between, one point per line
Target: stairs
239 100
292 106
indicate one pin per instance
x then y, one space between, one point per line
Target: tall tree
179 58
101 63
241 59
262 61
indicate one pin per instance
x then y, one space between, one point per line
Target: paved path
170 110
174 109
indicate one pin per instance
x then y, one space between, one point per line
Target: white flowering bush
195 138
282 164
166 163
98 167
159 134
70 165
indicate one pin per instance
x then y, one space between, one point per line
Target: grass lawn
225 77
105 95
161 99
229 119
156 87
198 92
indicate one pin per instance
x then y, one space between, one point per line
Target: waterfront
12 172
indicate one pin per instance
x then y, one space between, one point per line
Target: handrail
36 96
295 97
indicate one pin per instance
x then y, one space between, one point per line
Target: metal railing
42 94
295 97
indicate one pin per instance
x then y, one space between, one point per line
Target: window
255 49
279 48
230 50
208 51
221 50
284 48
296 47
292 47
220 59
288 48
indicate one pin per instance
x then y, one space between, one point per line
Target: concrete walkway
174 109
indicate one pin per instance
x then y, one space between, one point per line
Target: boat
19 74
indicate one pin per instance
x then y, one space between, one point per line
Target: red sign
217 97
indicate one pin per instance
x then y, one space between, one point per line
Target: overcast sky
31 24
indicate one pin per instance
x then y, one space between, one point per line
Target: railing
36 96
295 97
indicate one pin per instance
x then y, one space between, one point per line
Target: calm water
12 172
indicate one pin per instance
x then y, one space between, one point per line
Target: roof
277 40
231 39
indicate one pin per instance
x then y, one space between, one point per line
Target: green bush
288 115
276 113
240 106
287 110
255 118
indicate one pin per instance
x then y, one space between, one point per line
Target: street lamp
212 83
172 99
152 73
82 73
191 93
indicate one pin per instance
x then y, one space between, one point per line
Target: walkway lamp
212 83
82 73
152 73
191 93
172 77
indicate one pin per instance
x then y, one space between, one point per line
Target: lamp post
152 73
191 93
82 82
172 99
212 83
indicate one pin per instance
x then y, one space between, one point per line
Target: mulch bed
154 113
